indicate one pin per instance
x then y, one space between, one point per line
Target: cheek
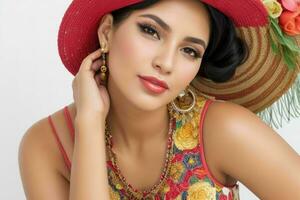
122 58
130 49
184 76
126 47
186 73
120 51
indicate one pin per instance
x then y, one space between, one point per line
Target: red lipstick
153 84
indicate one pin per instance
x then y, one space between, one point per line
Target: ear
105 31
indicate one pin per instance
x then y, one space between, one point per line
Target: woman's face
165 41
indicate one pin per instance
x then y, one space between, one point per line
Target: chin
146 102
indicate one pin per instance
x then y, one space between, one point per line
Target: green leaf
282 38
274 46
289 58
287 46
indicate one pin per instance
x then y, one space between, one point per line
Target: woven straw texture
260 81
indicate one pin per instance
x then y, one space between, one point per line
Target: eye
149 29
194 53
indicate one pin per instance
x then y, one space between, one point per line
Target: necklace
132 192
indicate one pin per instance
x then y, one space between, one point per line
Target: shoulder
229 126
228 114
232 123
38 144
241 140
36 140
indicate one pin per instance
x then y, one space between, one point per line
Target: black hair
225 50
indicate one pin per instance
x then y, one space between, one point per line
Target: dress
189 177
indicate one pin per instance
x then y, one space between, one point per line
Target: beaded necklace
145 194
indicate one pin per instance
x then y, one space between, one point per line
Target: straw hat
270 71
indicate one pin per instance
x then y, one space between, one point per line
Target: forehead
188 16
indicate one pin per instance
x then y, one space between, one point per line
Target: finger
87 62
94 55
97 79
96 65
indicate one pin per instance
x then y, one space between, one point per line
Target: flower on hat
284 18
274 8
290 18
290 5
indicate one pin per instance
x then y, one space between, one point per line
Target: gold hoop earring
184 102
184 107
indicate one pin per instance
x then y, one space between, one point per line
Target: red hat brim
78 37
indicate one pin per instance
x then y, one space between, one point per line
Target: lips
155 81
153 85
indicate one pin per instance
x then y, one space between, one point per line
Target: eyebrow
166 27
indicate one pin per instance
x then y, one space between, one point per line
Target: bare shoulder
39 152
251 152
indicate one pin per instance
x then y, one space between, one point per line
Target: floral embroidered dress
188 176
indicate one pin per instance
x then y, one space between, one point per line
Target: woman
139 125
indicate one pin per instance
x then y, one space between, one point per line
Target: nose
165 59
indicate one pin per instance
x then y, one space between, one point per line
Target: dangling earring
184 106
185 101
103 68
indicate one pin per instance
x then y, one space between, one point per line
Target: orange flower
290 22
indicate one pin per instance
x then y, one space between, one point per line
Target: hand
90 97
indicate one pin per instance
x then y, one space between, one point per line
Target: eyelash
151 28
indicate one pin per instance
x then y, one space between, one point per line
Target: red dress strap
60 146
69 123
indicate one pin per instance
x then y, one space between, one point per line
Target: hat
267 83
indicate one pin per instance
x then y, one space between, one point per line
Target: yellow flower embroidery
186 137
191 161
274 8
200 101
176 171
201 191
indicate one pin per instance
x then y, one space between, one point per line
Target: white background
34 83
